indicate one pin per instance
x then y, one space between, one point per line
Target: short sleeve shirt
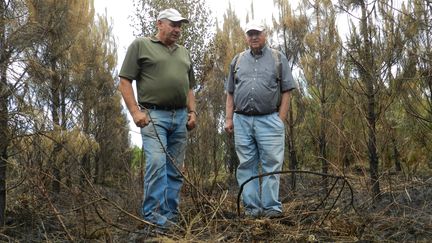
254 82
164 76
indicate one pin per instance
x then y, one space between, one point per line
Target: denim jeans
162 181
259 143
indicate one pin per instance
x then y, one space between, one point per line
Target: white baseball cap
254 25
173 15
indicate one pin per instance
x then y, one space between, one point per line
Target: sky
118 12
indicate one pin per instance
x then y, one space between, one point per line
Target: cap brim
257 29
179 19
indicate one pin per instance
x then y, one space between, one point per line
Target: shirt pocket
241 74
269 75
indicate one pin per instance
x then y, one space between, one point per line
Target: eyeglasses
252 33
173 24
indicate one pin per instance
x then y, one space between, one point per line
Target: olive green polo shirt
164 76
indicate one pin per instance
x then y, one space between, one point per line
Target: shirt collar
263 50
156 40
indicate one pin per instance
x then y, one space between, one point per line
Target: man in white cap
258 93
164 110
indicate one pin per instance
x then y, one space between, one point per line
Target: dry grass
403 213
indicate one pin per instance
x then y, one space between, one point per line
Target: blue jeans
162 181
259 139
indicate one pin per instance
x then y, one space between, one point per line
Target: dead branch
345 181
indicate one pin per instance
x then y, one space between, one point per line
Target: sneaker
272 214
174 219
169 226
252 214
144 232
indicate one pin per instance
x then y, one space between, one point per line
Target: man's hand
229 126
140 118
191 123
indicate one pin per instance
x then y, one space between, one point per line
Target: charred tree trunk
293 163
232 159
4 114
4 135
85 160
323 150
372 150
370 110
396 154
55 107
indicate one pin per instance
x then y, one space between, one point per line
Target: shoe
174 219
169 226
151 230
273 214
252 214
161 230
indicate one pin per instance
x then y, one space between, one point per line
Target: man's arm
284 106
192 112
140 118
229 110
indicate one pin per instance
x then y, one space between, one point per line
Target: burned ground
345 212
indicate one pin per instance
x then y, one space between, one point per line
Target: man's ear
158 23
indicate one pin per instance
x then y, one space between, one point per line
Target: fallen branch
305 172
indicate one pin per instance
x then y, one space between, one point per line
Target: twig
297 171
82 207
100 197
328 195
215 212
334 203
111 223
56 212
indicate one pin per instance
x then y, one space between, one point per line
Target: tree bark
4 114
396 154
372 150
85 160
55 107
369 80
293 163
323 148
5 139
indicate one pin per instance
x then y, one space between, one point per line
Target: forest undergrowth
342 213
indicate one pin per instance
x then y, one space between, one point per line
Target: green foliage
321 71
209 136
70 94
138 159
